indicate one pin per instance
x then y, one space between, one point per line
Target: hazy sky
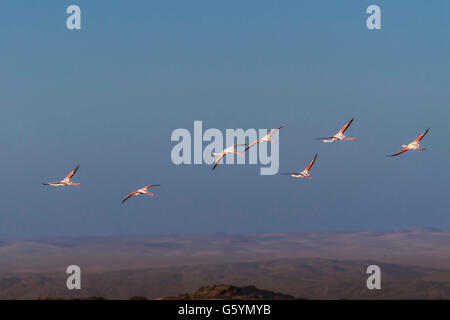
108 97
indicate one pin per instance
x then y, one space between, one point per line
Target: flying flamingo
66 181
220 155
266 138
304 173
141 191
340 135
415 145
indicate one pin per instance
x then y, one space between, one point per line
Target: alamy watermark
190 148
74 280
374 281
73 22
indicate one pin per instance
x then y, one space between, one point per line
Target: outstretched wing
273 130
323 138
311 163
289 173
422 135
152 185
70 175
130 195
220 156
252 144
400 152
345 127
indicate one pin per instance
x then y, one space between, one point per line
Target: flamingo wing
400 152
345 127
152 185
217 160
422 135
128 196
71 174
273 130
289 173
252 144
323 138
311 163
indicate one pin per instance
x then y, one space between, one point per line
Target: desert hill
415 264
426 247
229 292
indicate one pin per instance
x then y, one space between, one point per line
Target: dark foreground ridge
229 292
215 292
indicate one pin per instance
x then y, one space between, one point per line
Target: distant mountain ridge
415 264
425 247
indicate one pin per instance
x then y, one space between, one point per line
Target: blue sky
108 96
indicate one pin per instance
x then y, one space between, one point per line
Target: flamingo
304 173
415 145
340 135
66 181
266 138
220 155
141 191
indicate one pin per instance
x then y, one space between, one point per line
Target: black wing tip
349 123
76 169
324 138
